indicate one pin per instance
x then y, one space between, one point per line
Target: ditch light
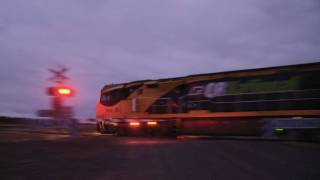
152 123
134 124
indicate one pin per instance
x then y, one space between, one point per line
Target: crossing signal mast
59 93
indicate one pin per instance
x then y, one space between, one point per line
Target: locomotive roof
285 68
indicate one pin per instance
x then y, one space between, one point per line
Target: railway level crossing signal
58 93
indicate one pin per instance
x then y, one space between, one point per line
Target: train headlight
134 124
152 123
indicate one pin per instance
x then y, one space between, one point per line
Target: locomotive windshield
113 97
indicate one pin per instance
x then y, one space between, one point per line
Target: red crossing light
60 91
64 91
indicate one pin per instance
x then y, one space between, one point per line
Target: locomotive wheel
101 128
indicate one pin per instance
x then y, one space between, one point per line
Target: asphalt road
108 157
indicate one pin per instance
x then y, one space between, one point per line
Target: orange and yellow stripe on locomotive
277 91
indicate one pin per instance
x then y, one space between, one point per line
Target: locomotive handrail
152 98
264 100
270 92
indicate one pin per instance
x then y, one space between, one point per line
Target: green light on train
279 129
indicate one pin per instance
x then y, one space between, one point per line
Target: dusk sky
113 41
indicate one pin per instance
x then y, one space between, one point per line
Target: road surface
117 158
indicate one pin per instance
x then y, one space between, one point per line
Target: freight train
266 101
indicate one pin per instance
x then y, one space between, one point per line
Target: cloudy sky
112 41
